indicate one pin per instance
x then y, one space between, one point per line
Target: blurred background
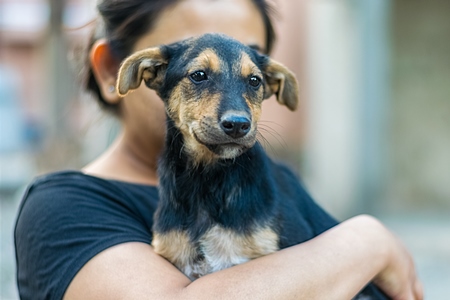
372 134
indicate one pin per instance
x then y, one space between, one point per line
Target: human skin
334 265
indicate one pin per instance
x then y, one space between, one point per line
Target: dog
223 201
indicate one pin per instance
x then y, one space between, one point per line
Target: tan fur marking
248 67
262 242
221 248
207 59
255 109
192 115
224 248
174 103
199 153
177 248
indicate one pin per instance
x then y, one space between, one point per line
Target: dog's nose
235 126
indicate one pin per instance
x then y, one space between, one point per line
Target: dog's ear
148 65
280 81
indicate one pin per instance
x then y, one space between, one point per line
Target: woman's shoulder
72 196
68 217
78 179
70 185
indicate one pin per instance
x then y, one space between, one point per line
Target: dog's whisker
275 134
269 128
267 143
278 137
271 122
181 151
262 140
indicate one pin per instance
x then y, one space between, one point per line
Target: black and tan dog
222 200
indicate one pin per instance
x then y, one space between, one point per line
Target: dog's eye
198 76
254 81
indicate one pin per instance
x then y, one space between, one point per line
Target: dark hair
123 22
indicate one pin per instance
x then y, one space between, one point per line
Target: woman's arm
335 265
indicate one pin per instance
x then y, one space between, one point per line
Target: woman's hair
124 22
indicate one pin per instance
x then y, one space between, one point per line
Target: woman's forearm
334 265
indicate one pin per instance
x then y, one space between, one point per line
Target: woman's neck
128 159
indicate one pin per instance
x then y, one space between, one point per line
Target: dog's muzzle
228 138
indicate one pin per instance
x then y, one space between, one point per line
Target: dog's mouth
226 149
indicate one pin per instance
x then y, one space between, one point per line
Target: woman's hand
378 250
398 279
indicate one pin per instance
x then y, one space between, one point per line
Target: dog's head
213 87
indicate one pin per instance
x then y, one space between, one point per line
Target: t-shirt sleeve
61 225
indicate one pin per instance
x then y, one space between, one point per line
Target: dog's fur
222 200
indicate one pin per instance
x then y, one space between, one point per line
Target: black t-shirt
66 218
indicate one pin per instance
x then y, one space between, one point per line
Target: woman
86 235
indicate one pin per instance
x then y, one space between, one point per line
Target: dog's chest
213 218
219 248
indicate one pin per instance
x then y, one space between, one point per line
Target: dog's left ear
148 65
280 81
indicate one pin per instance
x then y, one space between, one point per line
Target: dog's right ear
148 65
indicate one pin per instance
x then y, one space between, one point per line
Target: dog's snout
235 126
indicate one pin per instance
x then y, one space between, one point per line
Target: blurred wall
419 136
348 75
379 106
